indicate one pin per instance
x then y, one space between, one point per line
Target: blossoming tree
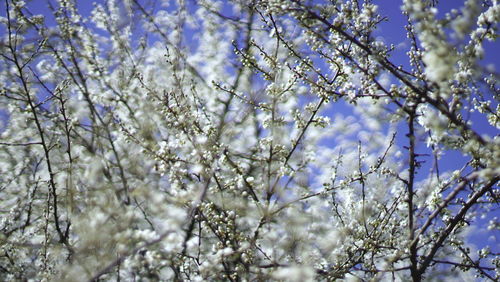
246 140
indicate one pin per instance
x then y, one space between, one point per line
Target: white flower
438 68
295 273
